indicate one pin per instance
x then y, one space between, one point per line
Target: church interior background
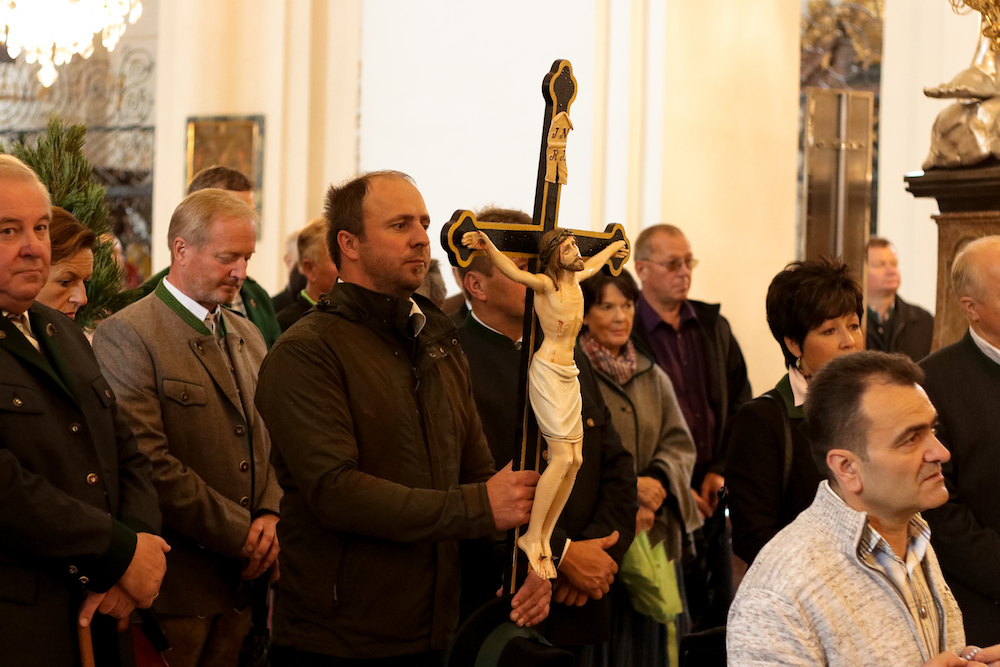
686 112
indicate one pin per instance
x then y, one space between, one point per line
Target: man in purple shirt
694 344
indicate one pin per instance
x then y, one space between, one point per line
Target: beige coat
197 424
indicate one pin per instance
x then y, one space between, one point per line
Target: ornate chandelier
50 32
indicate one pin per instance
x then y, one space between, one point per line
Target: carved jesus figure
553 387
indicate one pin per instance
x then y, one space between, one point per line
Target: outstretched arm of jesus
597 262
503 263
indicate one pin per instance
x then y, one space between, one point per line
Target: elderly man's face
396 251
666 274
24 244
902 475
214 273
982 307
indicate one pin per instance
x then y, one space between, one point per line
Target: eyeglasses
675 263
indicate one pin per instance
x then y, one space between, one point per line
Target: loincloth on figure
554 391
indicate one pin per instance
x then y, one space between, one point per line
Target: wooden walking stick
86 645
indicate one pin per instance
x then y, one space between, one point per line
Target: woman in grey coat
645 413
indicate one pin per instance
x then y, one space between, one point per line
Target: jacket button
72 569
3 334
184 396
107 392
590 422
244 501
239 430
244 466
18 402
74 428
92 478
84 580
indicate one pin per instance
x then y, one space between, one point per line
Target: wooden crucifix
543 381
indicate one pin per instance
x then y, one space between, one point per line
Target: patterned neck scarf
620 366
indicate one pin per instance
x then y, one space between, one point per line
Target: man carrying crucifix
553 387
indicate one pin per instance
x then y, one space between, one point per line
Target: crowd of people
358 454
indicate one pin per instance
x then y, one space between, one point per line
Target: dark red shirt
681 354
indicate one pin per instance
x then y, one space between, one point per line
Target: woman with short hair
814 310
72 263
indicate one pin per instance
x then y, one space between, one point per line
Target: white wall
450 93
295 62
926 43
700 117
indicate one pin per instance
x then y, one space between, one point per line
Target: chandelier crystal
51 32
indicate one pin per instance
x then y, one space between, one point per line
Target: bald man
963 381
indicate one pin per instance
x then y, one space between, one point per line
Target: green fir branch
59 161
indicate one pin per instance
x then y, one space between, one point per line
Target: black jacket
910 332
74 489
964 385
378 447
728 384
756 467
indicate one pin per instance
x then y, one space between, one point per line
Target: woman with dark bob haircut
814 311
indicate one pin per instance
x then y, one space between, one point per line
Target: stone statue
967 131
553 387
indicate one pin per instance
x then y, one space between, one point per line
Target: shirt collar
984 347
800 388
187 302
652 319
309 299
873 544
873 314
486 326
417 318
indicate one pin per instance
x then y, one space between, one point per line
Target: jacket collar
374 309
173 304
784 389
53 362
843 525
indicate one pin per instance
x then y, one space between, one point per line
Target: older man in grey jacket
185 374
853 580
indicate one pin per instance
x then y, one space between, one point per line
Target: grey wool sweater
810 599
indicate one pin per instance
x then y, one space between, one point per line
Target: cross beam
515 240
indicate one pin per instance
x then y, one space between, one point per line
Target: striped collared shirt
907 576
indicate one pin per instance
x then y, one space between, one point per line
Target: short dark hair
878 242
806 294
644 244
593 288
68 236
834 411
482 263
220 177
548 252
344 208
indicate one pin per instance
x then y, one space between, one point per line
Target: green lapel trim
309 299
173 304
14 342
784 389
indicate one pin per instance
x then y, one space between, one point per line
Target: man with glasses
695 345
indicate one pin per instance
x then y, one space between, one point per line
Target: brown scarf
619 366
